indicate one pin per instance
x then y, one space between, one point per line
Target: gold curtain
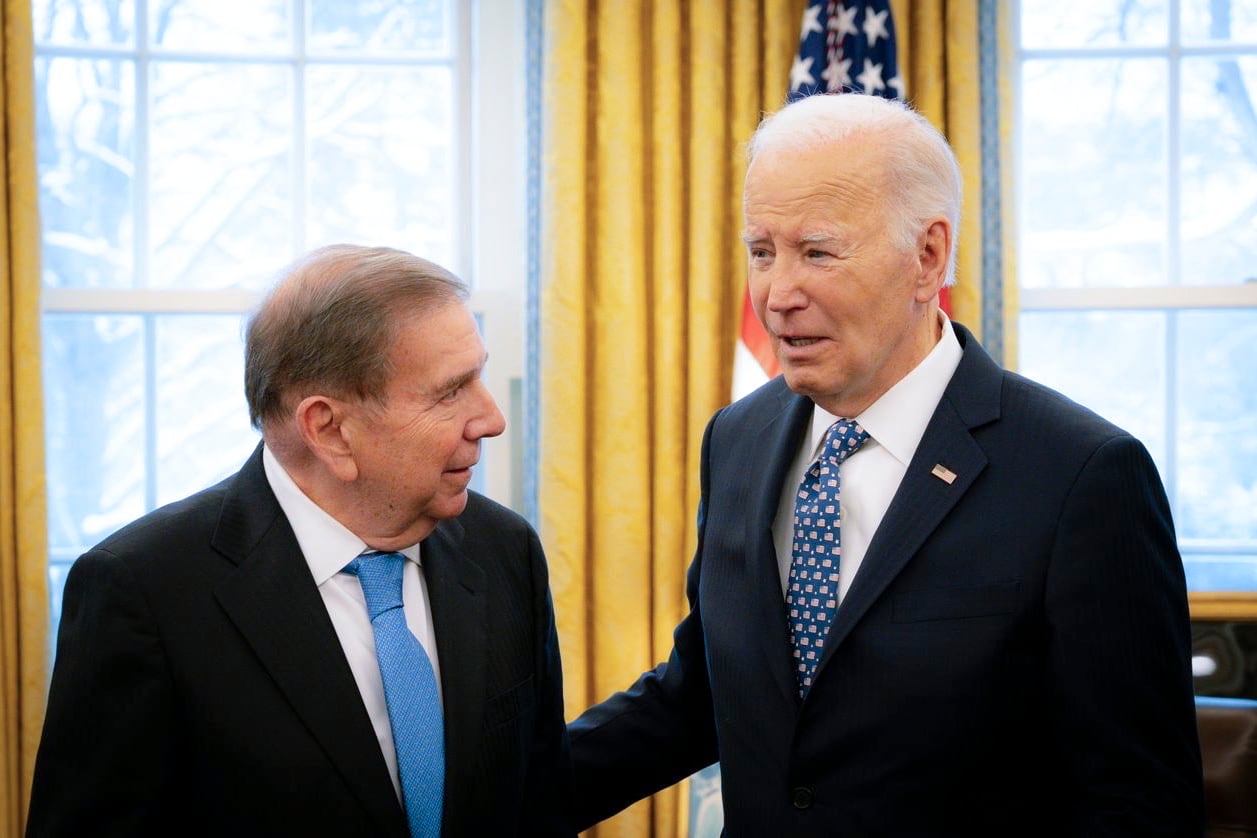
939 57
23 542
648 104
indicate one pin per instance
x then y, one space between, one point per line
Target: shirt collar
898 418
325 542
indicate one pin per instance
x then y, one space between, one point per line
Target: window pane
58 567
85 128
1221 20
94 426
419 26
203 431
1055 24
382 165
1217 417
1220 571
221 173
1110 361
1092 190
220 25
85 22
1219 166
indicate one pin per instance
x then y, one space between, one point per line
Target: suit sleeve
546 794
108 748
661 729
1121 652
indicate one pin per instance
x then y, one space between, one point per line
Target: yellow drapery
647 106
23 541
939 58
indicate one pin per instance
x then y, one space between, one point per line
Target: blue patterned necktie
410 690
812 593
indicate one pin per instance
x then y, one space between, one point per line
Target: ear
320 424
933 253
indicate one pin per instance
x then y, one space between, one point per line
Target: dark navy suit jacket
200 688
1012 658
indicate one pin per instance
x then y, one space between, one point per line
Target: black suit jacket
1011 659
200 687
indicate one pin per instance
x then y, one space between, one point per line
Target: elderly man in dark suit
340 639
930 597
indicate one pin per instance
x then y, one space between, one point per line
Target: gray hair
329 324
922 176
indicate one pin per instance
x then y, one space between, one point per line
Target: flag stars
811 22
875 26
837 74
801 73
871 78
842 21
840 36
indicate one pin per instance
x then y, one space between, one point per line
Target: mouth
794 350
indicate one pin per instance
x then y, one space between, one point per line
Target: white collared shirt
327 547
871 476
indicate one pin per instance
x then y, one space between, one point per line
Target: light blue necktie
812 592
414 705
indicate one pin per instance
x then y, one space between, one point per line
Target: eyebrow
752 236
463 378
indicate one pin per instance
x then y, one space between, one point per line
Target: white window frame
1173 297
491 251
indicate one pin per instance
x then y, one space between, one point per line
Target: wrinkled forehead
844 176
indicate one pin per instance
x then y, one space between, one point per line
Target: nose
783 288
488 420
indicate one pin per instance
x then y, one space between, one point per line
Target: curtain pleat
23 540
647 106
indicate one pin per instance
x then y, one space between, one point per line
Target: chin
799 381
451 507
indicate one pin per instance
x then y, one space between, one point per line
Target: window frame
1171 299
488 47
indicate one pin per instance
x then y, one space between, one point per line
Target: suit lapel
456 588
273 601
775 445
923 499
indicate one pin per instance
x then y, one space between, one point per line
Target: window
188 150
1136 156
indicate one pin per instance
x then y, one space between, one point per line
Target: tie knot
843 439
380 575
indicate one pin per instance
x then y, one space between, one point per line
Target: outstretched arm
658 731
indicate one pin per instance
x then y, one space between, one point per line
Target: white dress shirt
327 547
871 476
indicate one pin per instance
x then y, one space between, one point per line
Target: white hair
922 176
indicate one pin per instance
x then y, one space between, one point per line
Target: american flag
843 48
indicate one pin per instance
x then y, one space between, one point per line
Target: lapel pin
943 473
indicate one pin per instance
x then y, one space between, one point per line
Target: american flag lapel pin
943 473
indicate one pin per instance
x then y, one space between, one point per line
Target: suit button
801 797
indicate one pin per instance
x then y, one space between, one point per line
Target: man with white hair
930 597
